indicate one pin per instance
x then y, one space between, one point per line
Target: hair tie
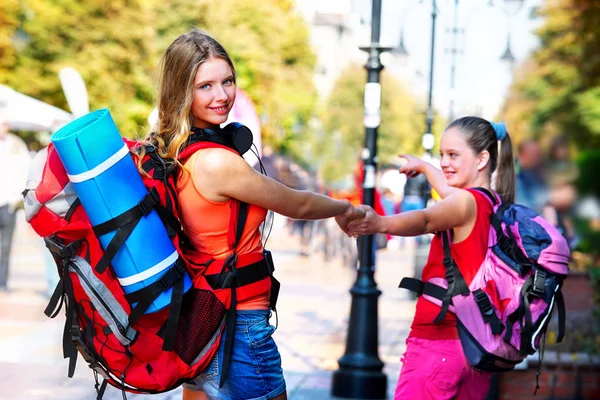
500 129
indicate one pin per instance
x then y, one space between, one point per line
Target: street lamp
428 138
509 7
508 55
360 373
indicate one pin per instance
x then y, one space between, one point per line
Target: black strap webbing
62 255
244 276
72 209
511 320
562 315
229 330
229 278
488 194
54 307
71 325
456 282
144 297
174 313
101 390
124 224
241 222
487 311
171 222
527 325
144 207
421 288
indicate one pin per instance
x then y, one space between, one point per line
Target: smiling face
461 166
214 93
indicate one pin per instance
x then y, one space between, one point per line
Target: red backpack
137 352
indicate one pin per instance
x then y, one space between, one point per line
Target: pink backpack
504 312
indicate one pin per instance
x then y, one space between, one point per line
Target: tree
116 47
269 44
107 42
402 124
559 92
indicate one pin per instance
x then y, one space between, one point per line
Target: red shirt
468 255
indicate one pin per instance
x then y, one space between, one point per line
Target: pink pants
437 369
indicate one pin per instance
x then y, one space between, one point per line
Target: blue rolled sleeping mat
108 184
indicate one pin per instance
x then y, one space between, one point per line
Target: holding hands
362 220
350 214
370 224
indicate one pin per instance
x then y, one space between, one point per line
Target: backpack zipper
98 300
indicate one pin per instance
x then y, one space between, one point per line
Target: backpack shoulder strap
456 282
491 196
190 149
199 140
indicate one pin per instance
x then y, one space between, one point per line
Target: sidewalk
313 316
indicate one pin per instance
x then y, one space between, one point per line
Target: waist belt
244 275
421 288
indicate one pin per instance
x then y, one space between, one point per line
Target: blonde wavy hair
178 69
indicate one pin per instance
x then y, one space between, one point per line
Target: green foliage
589 164
116 46
558 90
401 129
269 44
9 21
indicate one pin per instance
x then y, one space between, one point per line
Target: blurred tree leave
557 90
339 146
116 46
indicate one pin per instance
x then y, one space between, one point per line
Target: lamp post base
359 384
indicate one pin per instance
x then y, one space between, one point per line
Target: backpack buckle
538 287
80 345
483 302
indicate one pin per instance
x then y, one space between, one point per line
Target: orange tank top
206 223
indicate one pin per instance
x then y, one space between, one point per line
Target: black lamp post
360 373
428 138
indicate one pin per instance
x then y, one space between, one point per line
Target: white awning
26 113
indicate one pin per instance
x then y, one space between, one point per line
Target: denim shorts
255 369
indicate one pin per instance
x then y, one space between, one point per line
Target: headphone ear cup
241 135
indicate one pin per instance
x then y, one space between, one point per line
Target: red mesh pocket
201 316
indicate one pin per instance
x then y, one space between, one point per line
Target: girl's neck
481 181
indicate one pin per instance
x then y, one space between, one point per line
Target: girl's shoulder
484 199
216 159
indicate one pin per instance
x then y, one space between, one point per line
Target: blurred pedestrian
14 160
531 188
434 365
388 202
196 93
417 193
562 173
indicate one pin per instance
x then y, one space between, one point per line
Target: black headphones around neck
235 136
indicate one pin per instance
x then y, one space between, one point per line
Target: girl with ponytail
472 151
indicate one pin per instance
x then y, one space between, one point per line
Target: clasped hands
361 220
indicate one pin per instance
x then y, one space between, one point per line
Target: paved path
313 315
